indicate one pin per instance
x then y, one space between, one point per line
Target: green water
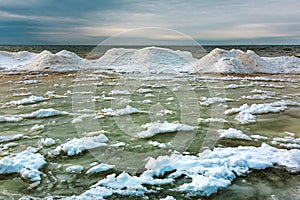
186 92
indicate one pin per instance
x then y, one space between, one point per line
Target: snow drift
152 60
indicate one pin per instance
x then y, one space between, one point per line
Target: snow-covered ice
158 128
79 145
27 163
246 114
233 133
43 113
30 100
75 169
10 119
100 168
125 111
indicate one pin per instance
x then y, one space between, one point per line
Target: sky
91 22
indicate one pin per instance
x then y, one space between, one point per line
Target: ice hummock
27 163
152 60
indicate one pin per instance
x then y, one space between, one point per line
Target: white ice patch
43 113
27 163
158 128
213 170
48 142
157 144
246 114
213 120
100 168
74 169
79 145
10 119
37 127
233 133
11 138
287 142
143 90
30 100
125 111
205 101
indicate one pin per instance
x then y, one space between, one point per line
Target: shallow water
87 90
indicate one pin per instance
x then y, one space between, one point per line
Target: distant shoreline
83 50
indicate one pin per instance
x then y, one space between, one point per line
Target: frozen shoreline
154 60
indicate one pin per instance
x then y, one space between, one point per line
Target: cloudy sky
208 22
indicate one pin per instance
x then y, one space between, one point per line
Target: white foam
27 163
158 128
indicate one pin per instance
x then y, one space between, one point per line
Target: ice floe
30 100
208 173
205 101
125 111
27 163
79 145
233 133
10 119
100 168
43 113
11 138
158 128
246 114
75 169
48 142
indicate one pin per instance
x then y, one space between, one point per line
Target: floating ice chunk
37 127
149 95
22 94
11 138
30 100
158 128
28 82
125 111
27 163
157 144
235 86
79 145
10 119
43 113
233 133
258 137
100 168
48 142
95 193
214 120
209 101
257 96
168 198
74 169
51 94
246 113
143 90
119 92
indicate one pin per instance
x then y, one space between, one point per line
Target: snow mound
152 60
238 61
27 163
148 60
45 61
158 128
